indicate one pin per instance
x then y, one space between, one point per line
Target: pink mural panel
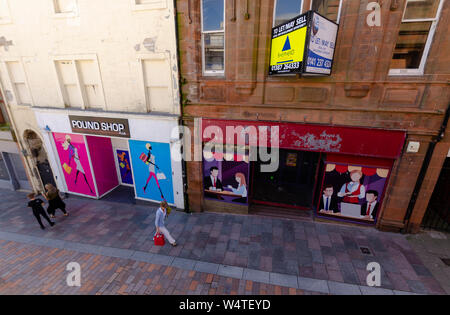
75 163
103 163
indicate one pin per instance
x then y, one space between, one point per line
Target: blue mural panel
152 170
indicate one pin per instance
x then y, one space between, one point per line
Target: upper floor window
286 10
5 15
419 22
213 36
65 6
330 9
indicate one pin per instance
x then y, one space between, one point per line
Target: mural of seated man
213 183
328 202
369 209
242 188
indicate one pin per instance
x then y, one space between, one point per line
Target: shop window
3 171
286 10
80 83
213 36
415 36
330 9
157 83
5 14
226 179
18 82
352 192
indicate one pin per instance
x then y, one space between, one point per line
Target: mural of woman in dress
73 154
150 159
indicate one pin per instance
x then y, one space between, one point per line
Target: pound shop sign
112 127
303 45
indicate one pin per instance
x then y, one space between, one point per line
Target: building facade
351 145
93 94
12 165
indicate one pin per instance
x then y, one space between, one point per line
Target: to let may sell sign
288 46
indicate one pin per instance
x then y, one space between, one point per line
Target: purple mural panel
352 192
103 164
75 163
226 181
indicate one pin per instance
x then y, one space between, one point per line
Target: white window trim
212 73
74 59
275 11
158 5
421 70
8 20
12 83
64 15
155 56
339 10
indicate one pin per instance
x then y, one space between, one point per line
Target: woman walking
54 201
161 214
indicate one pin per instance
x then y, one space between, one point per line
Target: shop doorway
292 185
437 216
39 156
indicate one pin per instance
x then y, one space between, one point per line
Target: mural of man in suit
328 202
370 208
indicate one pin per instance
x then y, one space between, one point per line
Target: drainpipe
423 171
180 96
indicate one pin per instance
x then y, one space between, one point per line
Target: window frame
275 11
8 19
62 92
339 10
434 22
65 15
156 5
13 83
218 73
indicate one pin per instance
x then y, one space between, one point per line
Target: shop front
98 157
339 173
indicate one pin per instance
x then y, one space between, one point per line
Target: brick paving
37 270
309 250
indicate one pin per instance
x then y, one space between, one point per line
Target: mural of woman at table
74 156
241 189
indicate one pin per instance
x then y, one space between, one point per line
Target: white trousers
167 235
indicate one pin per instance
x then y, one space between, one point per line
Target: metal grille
437 216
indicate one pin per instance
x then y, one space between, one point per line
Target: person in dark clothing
38 210
54 201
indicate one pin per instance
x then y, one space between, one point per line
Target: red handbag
159 240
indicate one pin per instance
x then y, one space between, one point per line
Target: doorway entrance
437 216
292 185
39 157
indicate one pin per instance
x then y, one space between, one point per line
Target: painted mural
152 169
352 192
123 158
226 181
75 163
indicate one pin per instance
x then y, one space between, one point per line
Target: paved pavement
305 256
432 247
